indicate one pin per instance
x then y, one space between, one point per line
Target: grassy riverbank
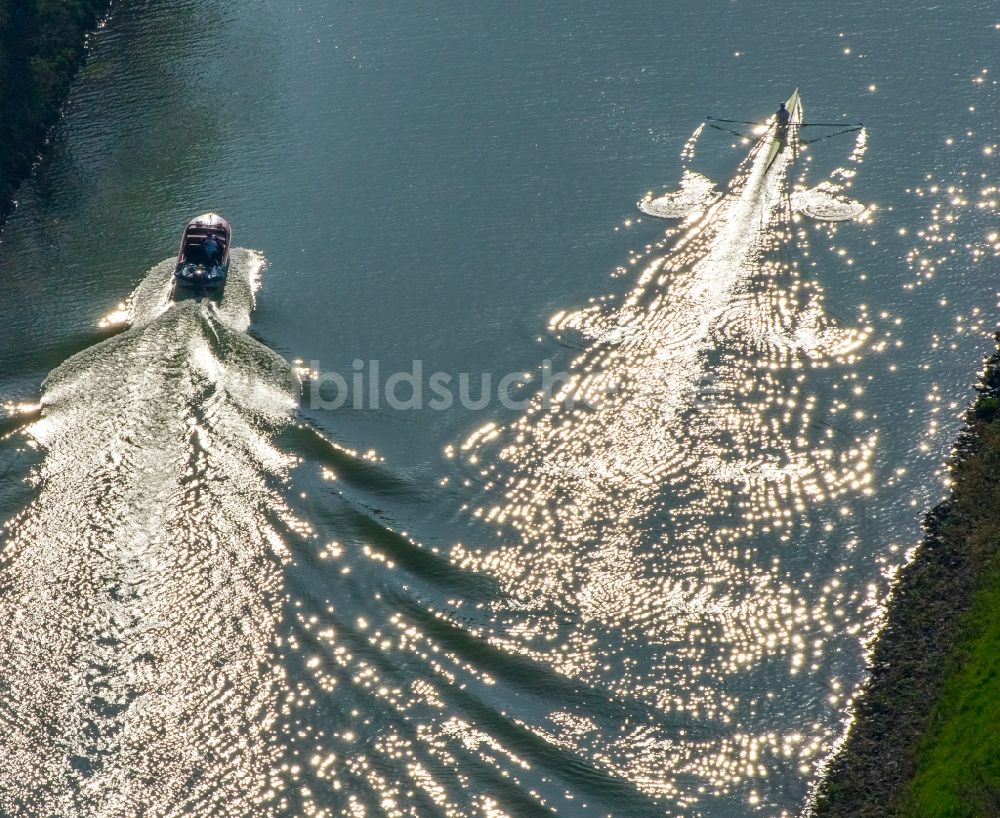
926 740
41 48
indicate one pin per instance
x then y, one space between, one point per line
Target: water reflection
138 589
651 522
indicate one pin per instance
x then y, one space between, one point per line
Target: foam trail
825 203
696 193
137 590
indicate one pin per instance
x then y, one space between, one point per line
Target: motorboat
203 258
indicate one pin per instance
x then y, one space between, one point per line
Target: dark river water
481 492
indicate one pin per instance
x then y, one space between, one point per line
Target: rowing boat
782 137
763 156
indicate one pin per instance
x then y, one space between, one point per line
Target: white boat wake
137 590
630 508
696 193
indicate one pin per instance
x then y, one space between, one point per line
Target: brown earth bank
925 740
41 48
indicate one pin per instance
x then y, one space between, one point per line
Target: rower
782 115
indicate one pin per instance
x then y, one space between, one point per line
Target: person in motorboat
211 248
203 255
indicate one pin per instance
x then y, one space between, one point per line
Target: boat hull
197 268
784 137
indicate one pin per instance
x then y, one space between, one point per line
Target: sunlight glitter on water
139 587
700 402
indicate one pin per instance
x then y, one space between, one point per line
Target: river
480 492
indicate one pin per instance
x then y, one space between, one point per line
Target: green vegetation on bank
41 47
958 760
926 737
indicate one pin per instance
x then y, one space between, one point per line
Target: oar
831 124
727 130
733 121
830 135
797 124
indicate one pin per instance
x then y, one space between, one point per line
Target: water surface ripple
649 596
